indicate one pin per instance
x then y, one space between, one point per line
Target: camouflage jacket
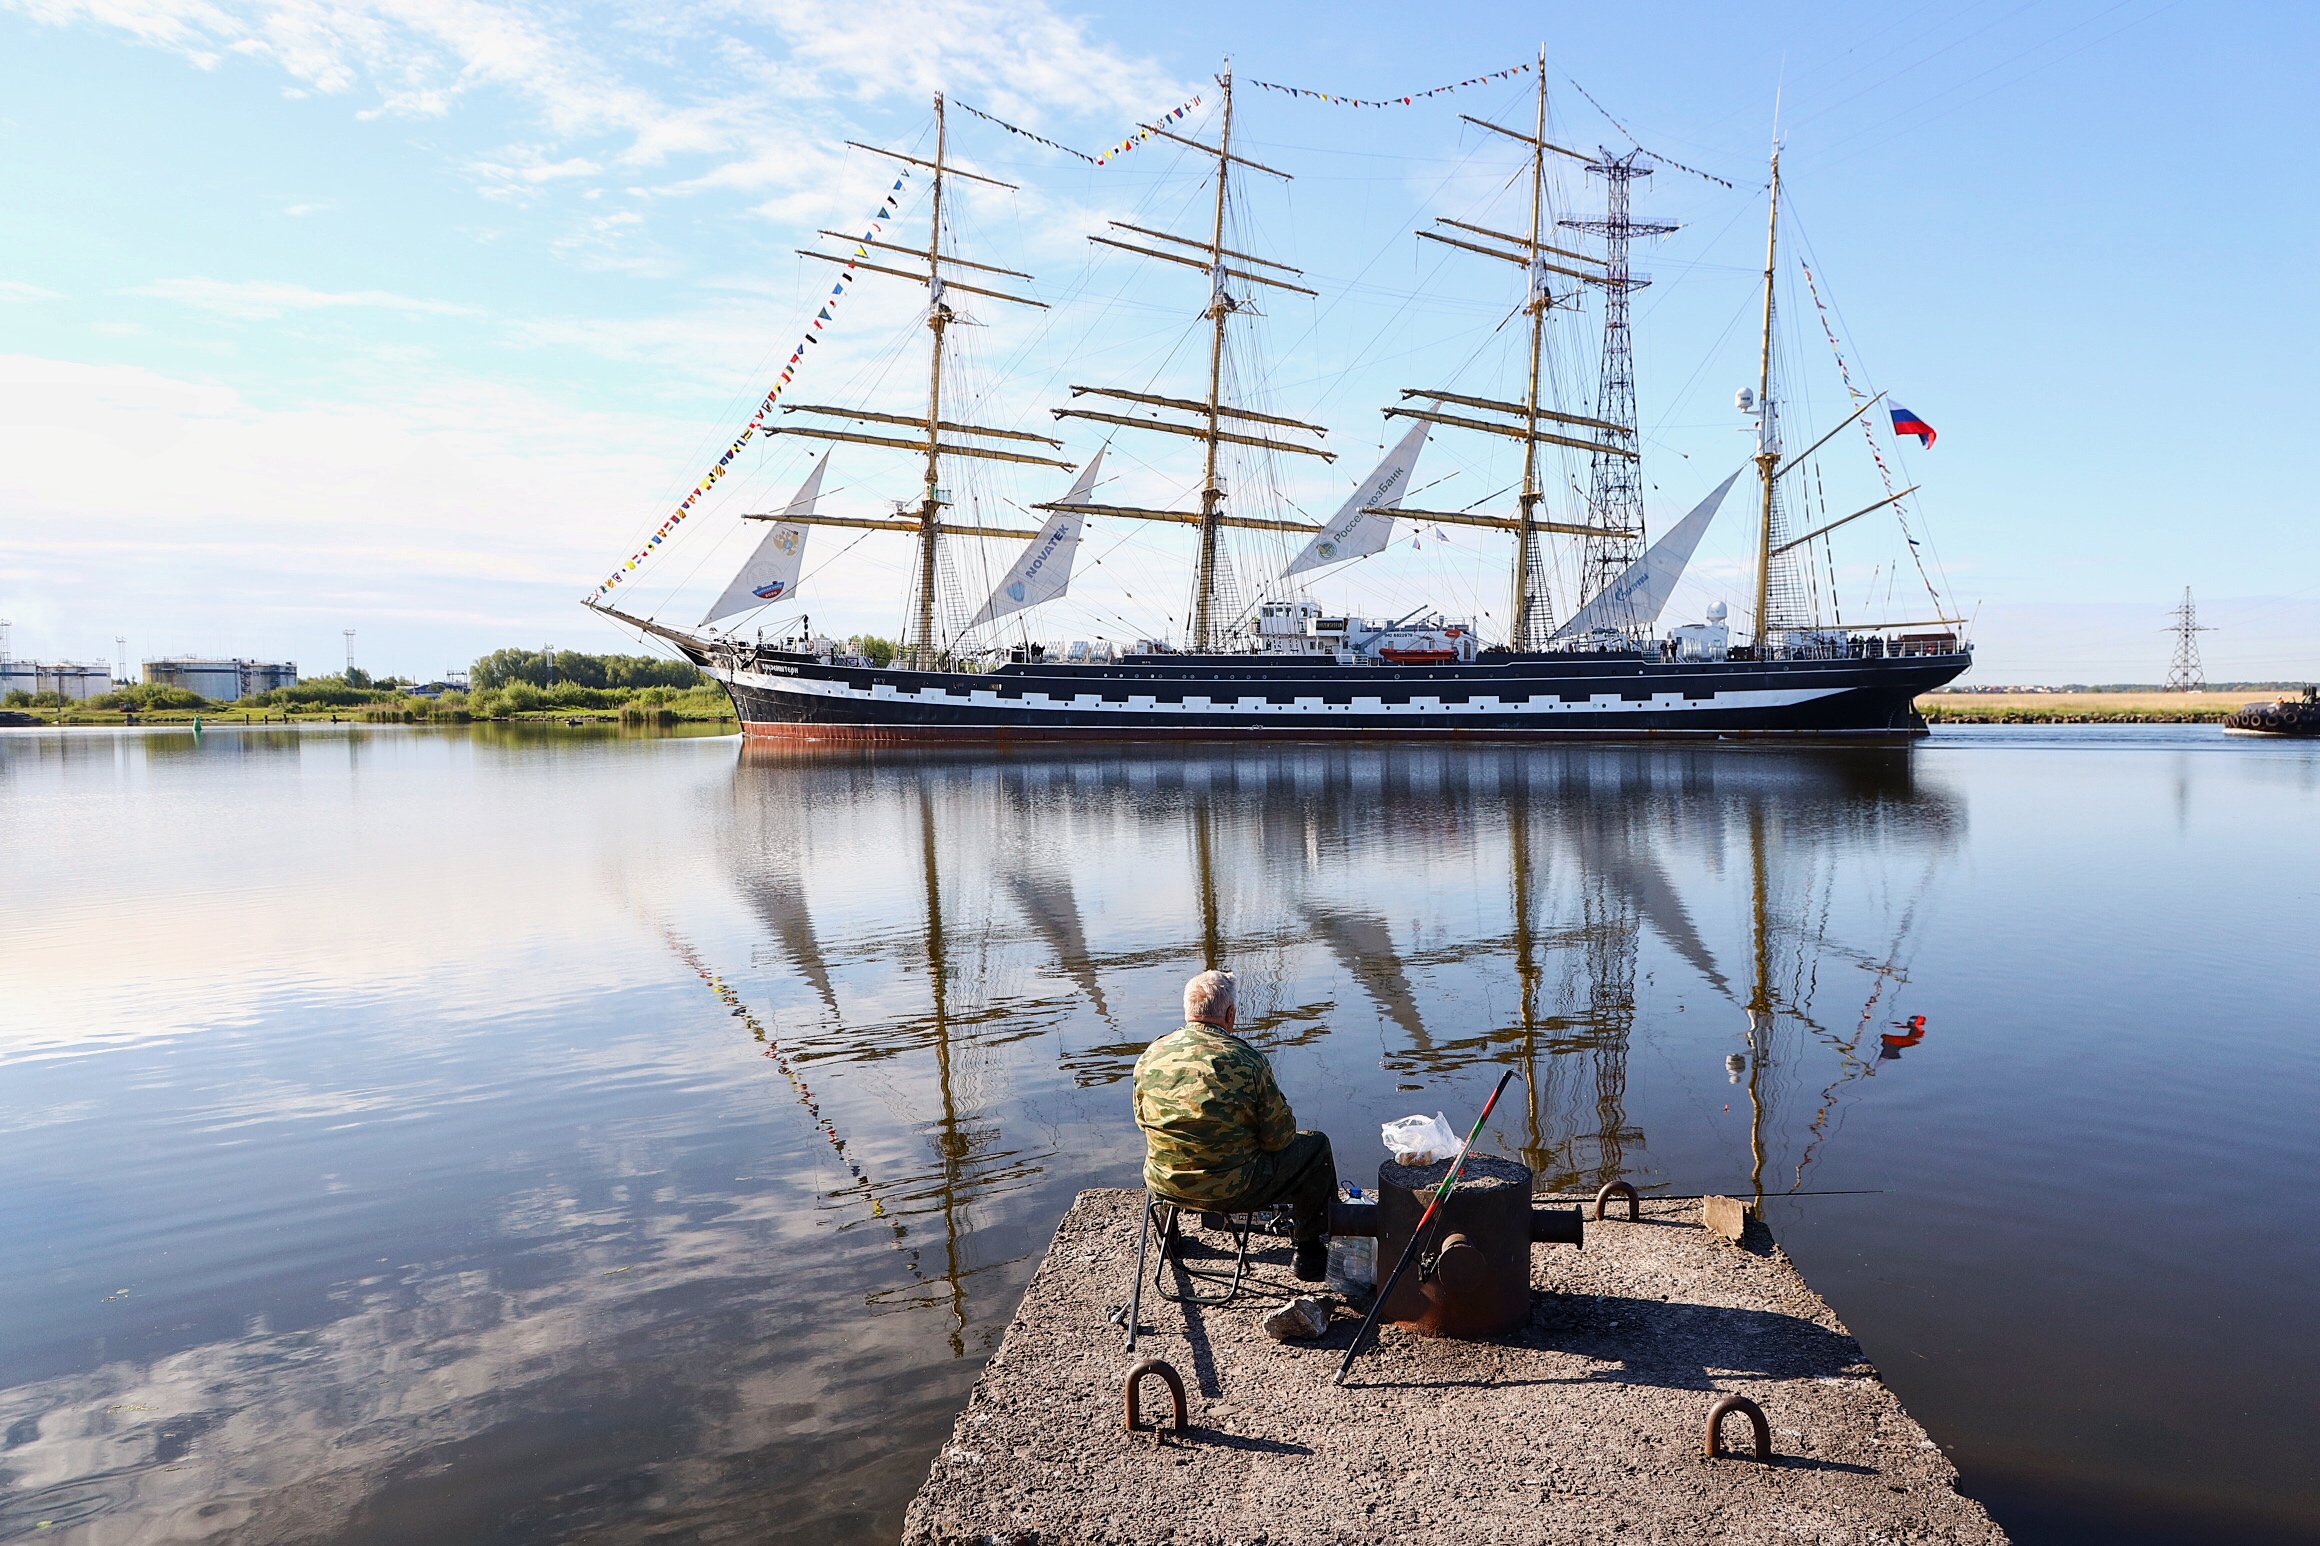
1210 1110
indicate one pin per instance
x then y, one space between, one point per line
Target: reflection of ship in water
968 1162
1280 860
1790 939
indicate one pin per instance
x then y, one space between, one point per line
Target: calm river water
418 1136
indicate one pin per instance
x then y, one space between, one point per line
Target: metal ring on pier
1619 1189
1763 1429
1175 1384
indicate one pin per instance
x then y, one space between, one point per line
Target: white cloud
464 500
726 99
257 300
1025 59
17 290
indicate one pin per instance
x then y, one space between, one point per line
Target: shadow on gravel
1652 1342
1213 1438
1659 1342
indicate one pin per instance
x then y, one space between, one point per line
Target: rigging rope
1868 432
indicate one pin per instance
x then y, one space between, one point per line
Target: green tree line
552 668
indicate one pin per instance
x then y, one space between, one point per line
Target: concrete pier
1584 1425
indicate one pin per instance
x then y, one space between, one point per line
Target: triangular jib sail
1636 596
1044 570
1354 532
771 574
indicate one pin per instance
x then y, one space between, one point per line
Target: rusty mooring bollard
1763 1429
1613 1189
1473 1270
1175 1384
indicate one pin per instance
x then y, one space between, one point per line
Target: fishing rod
1859 1191
1410 1251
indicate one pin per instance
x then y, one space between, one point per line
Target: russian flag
1907 423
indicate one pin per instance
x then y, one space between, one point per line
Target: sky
416 317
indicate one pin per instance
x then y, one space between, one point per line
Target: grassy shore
2084 708
693 710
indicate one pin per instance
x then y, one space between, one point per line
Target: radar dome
1744 399
1716 613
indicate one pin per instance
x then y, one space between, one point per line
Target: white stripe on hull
1144 710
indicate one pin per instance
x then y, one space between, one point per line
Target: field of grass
2049 708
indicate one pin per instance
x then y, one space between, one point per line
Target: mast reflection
969 1163
1050 883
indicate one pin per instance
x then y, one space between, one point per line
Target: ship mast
919 643
1220 306
1532 611
1767 429
1529 572
1207 416
937 437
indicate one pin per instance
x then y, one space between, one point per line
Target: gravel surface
1583 1426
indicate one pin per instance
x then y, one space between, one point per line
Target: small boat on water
2282 716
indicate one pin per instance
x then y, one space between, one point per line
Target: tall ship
1261 651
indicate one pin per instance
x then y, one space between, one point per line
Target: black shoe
1218 1222
1311 1263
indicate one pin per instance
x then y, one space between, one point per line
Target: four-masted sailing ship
1279 664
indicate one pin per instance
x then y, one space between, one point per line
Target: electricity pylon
2185 673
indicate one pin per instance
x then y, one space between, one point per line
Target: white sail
771 574
1635 599
1044 571
1351 533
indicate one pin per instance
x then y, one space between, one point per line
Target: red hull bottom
794 734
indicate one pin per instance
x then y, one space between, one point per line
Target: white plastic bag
1420 1140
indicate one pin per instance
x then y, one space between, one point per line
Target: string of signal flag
813 335
1143 133
1338 99
827 314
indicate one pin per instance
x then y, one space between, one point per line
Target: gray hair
1210 996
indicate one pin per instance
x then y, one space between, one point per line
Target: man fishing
1218 1134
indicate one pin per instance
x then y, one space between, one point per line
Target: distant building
221 681
78 683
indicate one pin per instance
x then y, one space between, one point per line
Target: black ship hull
785 696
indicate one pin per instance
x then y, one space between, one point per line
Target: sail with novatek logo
1044 571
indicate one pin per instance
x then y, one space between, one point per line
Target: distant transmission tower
2186 674
1616 490
349 653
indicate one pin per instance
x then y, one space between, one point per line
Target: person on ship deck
1218 1134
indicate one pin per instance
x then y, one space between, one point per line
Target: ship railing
1850 646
